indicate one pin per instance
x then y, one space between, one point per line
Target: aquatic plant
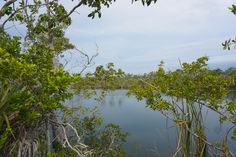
180 96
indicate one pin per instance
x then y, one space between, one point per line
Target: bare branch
81 149
74 9
217 111
89 60
7 4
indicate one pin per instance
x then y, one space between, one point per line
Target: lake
150 133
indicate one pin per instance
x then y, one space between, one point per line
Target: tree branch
17 10
7 4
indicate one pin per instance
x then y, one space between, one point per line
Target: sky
137 38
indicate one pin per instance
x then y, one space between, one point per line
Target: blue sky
137 38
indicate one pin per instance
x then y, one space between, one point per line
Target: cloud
136 38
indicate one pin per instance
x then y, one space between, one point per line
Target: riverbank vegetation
35 119
181 96
111 78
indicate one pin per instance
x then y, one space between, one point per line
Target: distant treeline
120 80
229 73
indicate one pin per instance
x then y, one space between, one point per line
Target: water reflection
112 99
150 133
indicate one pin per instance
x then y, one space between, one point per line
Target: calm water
150 133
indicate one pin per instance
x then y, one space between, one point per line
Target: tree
30 89
181 95
34 84
228 44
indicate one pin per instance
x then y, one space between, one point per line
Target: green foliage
103 140
103 78
7 131
96 6
228 44
233 9
180 95
109 143
30 85
193 83
31 89
11 45
34 86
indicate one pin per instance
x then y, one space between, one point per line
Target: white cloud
136 38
